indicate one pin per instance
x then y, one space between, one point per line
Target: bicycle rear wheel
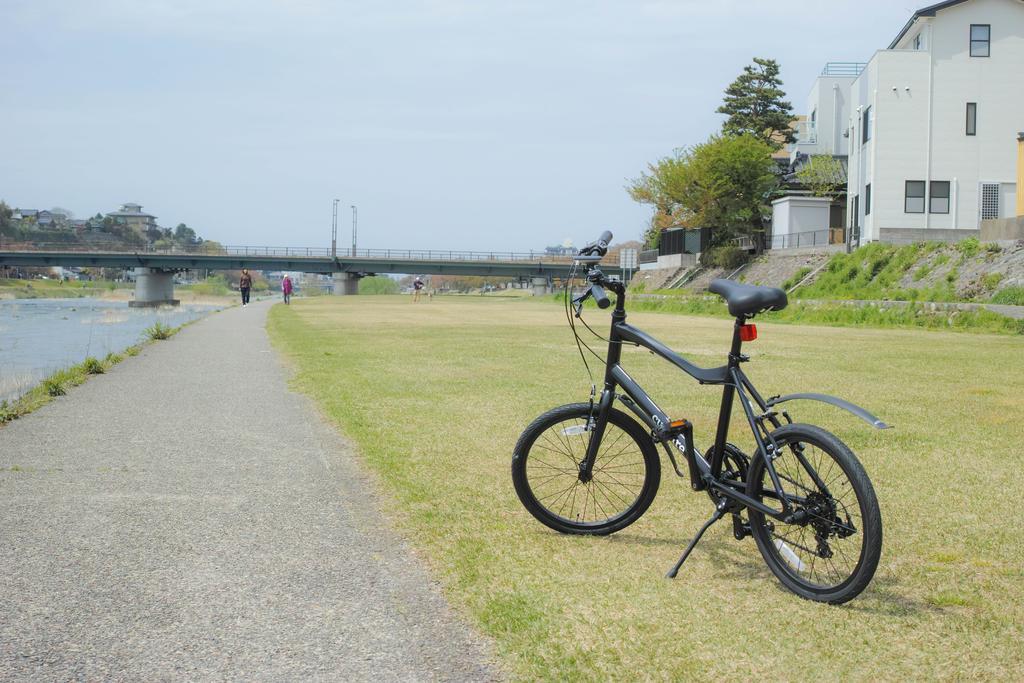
545 471
830 553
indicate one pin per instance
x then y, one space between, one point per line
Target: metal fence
649 256
811 238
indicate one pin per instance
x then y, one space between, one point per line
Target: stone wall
1002 229
908 235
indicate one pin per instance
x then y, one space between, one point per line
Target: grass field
436 394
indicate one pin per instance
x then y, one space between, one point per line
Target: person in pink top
286 289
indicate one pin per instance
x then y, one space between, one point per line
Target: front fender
832 400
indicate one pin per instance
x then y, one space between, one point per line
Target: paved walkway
185 516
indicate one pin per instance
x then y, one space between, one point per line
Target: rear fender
832 400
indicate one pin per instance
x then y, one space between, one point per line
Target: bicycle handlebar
599 246
597 291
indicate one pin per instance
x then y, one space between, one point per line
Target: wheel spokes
815 551
617 477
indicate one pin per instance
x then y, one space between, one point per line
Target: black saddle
748 300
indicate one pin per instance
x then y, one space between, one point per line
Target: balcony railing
843 68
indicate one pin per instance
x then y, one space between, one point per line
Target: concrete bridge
154 270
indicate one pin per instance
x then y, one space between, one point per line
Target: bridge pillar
154 287
345 284
540 286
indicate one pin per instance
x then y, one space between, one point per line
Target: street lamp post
334 230
355 213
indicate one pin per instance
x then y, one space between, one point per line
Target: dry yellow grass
436 394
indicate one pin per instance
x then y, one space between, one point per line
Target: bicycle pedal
740 529
676 427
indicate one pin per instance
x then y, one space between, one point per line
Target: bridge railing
294 252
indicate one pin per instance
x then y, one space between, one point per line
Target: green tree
379 284
184 235
211 247
823 175
724 184
754 105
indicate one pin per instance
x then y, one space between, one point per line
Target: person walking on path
286 289
244 285
417 287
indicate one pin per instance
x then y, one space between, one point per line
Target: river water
41 336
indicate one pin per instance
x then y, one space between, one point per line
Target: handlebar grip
598 246
597 291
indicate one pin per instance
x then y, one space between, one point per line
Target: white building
934 121
823 131
798 219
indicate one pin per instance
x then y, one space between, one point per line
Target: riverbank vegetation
214 285
435 396
14 288
58 383
213 289
158 331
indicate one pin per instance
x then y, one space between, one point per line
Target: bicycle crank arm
832 400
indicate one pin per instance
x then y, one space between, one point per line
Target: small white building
934 121
800 221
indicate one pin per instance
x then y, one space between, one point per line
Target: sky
452 124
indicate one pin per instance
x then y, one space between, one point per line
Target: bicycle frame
735 383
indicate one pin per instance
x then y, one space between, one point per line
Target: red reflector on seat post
748 332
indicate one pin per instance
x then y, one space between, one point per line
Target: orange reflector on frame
748 332
676 424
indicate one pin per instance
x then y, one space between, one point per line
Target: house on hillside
800 219
24 214
928 125
133 216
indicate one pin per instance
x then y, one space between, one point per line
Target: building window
972 118
867 199
865 126
914 200
939 199
980 35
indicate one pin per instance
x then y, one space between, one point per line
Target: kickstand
719 513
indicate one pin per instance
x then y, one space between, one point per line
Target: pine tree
754 105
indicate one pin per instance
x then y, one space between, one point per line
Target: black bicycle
590 468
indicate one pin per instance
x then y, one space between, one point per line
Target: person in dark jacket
244 285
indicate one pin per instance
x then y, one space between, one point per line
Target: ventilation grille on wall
989 200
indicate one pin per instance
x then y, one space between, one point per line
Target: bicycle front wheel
546 474
830 550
